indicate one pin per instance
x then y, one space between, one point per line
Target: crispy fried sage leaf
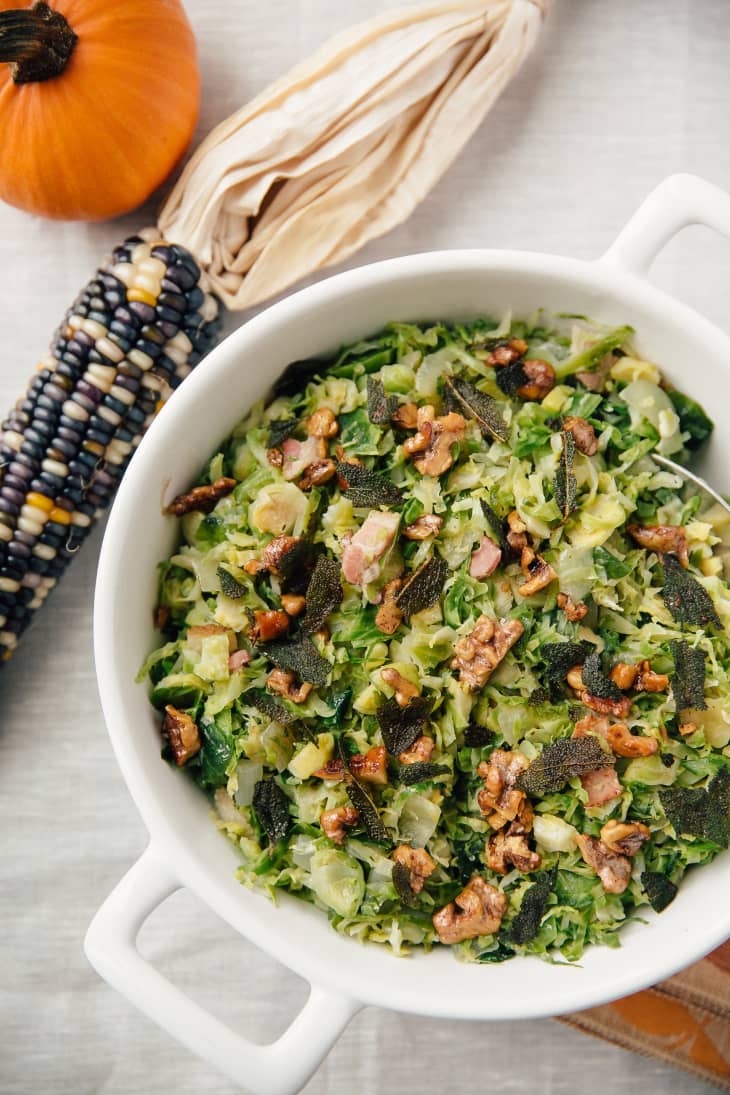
271 807
380 405
365 487
660 890
297 375
402 884
423 588
297 563
526 924
273 709
324 593
400 726
280 429
538 696
478 405
686 599
231 586
558 658
367 809
299 655
420 772
476 736
565 483
510 377
596 681
498 528
560 761
701 812
688 679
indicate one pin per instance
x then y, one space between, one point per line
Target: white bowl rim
160 826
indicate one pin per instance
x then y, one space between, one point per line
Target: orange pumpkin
98 102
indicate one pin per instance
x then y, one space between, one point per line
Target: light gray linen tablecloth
619 94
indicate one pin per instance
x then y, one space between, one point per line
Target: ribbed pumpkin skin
95 141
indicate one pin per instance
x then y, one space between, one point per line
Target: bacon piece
602 785
298 455
362 555
486 558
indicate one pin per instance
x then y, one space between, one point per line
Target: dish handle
279 1068
678 201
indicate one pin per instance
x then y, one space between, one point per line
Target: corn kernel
39 501
143 296
60 516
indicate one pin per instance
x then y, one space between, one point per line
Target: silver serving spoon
690 477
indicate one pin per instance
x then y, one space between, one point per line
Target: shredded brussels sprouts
419 586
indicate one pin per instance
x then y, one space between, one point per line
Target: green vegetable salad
448 648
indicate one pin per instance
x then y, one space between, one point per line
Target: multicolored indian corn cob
131 337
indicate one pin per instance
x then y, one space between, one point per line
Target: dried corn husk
342 148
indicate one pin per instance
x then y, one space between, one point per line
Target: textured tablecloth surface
618 95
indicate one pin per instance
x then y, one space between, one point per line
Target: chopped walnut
517 535
335 822
507 352
322 423
649 681
405 417
182 734
640 677
614 870
618 708
617 736
346 458
624 675
389 615
583 434
316 474
423 527
404 689
540 379
537 571
664 539
478 910
283 682
201 499
254 567
370 767
625 744
499 798
419 753
431 446
268 624
687 728
573 612
478 654
293 603
417 862
624 837
505 848
275 458
276 551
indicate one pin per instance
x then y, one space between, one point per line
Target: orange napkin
685 1021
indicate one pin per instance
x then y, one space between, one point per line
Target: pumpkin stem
36 42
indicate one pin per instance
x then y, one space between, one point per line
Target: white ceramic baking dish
185 848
